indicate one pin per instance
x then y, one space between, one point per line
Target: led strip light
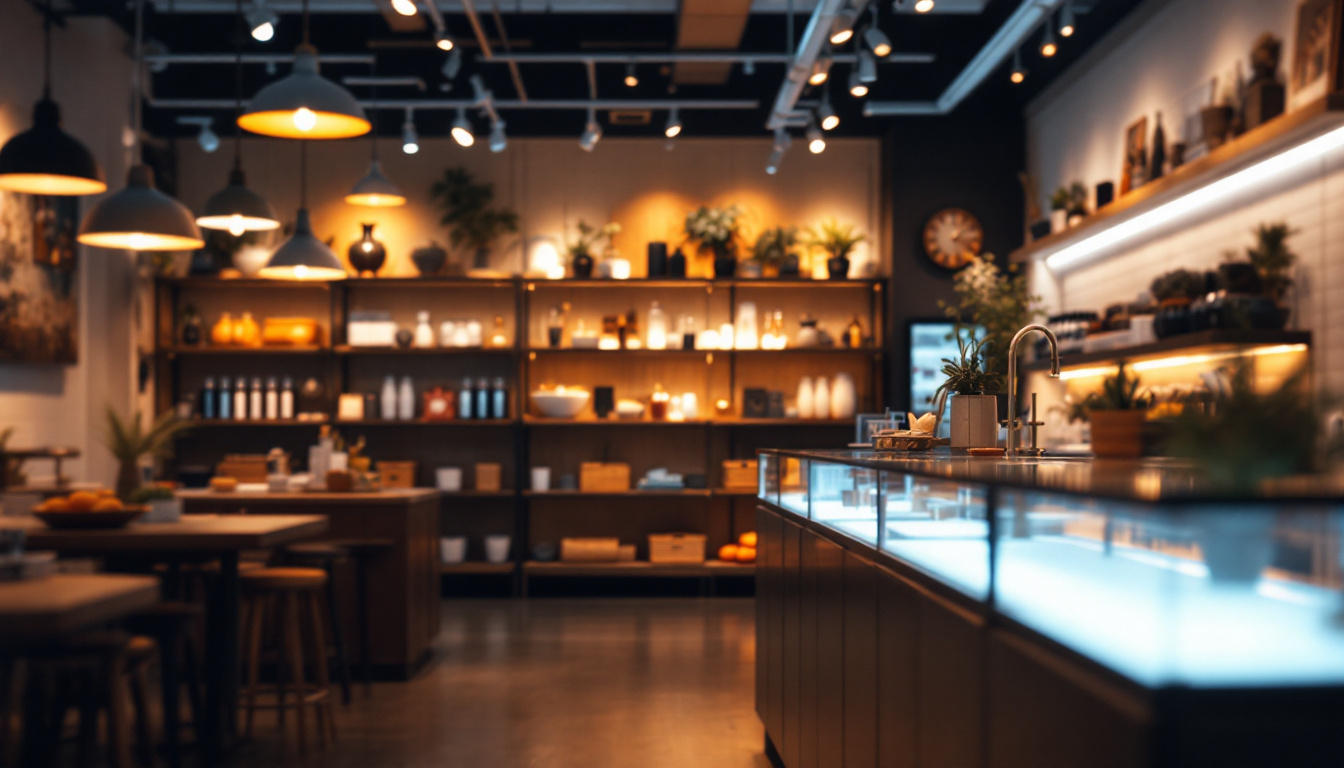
1181 360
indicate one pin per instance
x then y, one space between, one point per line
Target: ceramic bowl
559 405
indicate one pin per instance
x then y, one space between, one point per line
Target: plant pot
429 260
974 421
1117 434
1059 220
163 511
128 479
837 267
583 265
788 266
751 269
725 266
1040 229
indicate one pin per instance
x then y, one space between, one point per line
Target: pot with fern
838 241
1174 292
774 250
974 418
472 224
130 444
1119 414
715 232
581 259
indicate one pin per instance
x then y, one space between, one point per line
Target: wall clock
951 237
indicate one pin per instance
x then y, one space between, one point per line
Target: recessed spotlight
592 132
461 130
498 141
1049 45
877 41
816 143
673 127
826 114
631 79
842 26
821 69
1068 24
1019 73
443 41
405 7
410 141
261 22
857 88
924 6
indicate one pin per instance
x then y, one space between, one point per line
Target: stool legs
365 654
337 635
326 725
294 651
256 612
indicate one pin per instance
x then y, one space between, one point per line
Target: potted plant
1272 258
1077 203
774 251
1174 292
581 249
1059 210
164 505
715 232
837 240
471 222
996 301
975 414
1118 414
129 443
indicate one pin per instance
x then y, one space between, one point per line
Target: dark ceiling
953 38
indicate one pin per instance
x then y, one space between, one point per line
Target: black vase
676 264
725 266
837 267
429 260
583 265
367 255
657 259
788 266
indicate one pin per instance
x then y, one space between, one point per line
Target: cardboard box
397 474
489 476
597 476
590 550
741 474
677 548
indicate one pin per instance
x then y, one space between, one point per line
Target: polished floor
601 683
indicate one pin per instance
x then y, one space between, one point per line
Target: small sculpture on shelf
581 249
366 254
1265 94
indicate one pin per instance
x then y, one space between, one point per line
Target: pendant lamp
375 190
303 256
45 160
139 217
305 105
236 208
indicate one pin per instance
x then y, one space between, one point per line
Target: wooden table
41 610
223 537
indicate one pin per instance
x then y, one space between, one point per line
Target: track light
857 88
453 64
816 143
749 68
261 22
673 127
781 145
462 133
867 67
1019 72
923 6
631 79
773 162
1049 45
821 69
410 141
1068 24
498 141
877 41
592 132
405 7
443 41
826 114
207 138
842 26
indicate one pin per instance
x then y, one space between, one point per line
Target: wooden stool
364 550
170 624
325 555
287 594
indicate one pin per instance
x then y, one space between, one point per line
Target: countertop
389 496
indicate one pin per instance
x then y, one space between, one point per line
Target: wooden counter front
403 581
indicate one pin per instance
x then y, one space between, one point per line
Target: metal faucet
1012 449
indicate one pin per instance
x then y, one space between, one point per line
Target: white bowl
559 405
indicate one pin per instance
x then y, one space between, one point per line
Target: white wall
1158 60
63 405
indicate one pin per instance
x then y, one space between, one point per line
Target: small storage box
245 468
680 548
397 474
590 550
596 476
488 477
296 331
740 474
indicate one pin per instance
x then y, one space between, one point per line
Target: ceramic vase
844 398
974 421
821 399
367 255
429 260
583 266
837 268
806 398
1059 220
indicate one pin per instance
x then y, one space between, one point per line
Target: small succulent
968 376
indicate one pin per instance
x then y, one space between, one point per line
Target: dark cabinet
861 654
897 673
830 653
789 746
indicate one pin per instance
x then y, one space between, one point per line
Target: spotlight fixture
826 114
782 140
842 26
410 141
443 41
673 127
375 190
781 145
261 21
1019 72
592 132
821 69
857 88
1068 24
631 79
773 162
462 133
867 67
405 7
498 141
877 41
453 64
749 67
816 143
923 6
1049 45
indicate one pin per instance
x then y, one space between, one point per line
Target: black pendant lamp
303 256
375 190
235 208
140 217
45 160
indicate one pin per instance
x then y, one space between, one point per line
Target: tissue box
371 329
679 548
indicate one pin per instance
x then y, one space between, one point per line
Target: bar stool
363 551
287 594
325 555
170 624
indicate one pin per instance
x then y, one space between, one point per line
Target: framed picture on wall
39 310
1315 51
1135 170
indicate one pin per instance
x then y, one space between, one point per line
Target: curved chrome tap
1012 449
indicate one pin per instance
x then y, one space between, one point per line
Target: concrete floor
614 683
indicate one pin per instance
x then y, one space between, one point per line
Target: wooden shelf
1200 342
806 351
507 493
461 423
644 353
734 492
709 568
606 282
356 283
1283 132
245 282
257 423
508 351
538 421
812 423
671 493
476 568
233 351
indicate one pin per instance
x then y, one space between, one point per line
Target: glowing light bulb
236 225
264 32
924 6
404 7
138 241
305 119
1018 76
366 247
300 272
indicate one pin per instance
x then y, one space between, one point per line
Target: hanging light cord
238 86
305 22
303 173
46 52
138 150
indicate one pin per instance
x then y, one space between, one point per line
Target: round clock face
952 237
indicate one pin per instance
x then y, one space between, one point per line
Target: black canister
676 264
658 260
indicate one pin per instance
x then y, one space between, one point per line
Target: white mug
453 549
497 548
541 479
449 479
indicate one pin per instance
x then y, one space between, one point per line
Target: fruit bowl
559 404
90 519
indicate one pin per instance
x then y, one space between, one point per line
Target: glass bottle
687 332
424 334
221 333
208 398
272 400
854 334
389 398
658 403
240 398
287 398
225 395
498 338
255 398
657 337
555 327
482 398
500 406
406 400
465 401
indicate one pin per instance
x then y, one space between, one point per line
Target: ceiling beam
706 25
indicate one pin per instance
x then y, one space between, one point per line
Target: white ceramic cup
497 548
541 479
449 479
453 549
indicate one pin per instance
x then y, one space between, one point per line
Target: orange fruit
728 552
108 505
82 501
746 554
54 505
106 493
747 539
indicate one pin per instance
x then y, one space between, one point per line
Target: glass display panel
940 527
845 498
793 477
767 483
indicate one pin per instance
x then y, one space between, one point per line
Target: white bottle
424 334
389 398
240 399
272 400
254 406
657 336
406 400
287 399
446 329
746 335
806 398
821 399
843 397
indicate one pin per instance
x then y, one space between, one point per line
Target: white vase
821 399
250 259
424 334
843 397
746 336
806 398
1059 221
974 421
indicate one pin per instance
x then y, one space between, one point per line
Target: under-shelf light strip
1180 360
1195 201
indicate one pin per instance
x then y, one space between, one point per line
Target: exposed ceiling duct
709 25
785 113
